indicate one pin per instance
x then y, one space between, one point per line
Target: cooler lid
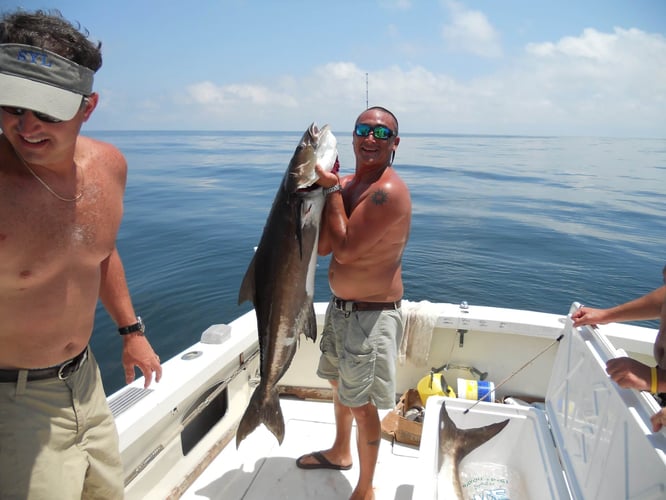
603 432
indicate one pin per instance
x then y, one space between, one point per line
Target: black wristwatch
136 327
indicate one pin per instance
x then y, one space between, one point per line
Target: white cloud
601 78
209 94
604 48
592 84
470 31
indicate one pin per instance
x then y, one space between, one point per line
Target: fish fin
466 439
264 408
247 291
310 327
476 437
454 444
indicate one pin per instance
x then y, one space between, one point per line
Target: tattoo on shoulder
379 197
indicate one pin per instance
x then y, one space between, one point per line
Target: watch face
142 327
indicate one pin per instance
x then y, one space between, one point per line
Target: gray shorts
359 350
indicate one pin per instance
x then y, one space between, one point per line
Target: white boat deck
263 469
170 435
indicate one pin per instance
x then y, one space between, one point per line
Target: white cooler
599 443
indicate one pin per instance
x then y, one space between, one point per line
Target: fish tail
464 441
264 408
454 444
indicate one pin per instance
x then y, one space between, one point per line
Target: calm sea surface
522 222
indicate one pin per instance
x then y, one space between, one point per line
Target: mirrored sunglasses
378 131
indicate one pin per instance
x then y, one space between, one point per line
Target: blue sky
584 67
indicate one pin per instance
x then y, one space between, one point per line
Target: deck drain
191 355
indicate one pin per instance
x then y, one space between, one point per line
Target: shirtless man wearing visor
61 203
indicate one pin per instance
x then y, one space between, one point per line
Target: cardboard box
396 426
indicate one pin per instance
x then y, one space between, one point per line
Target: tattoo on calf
379 197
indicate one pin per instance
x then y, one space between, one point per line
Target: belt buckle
66 369
348 306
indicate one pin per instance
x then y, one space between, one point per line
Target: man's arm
326 180
643 308
114 294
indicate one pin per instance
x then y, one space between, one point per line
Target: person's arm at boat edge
114 294
631 374
643 308
650 306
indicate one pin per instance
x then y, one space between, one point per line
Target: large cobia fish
454 445
280 278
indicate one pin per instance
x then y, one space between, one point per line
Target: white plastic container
483 390
604 431
601 444
519 463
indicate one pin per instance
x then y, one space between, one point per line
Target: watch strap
332 189
133 328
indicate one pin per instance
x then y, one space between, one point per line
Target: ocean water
522 222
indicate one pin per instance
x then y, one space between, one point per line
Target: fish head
317 146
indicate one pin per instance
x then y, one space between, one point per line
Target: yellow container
431 385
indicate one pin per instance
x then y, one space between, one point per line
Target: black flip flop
323 463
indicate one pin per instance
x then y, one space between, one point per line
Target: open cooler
594 440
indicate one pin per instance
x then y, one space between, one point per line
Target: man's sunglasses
21 111
13 110
378 131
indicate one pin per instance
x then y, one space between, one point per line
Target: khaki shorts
58 439
359 350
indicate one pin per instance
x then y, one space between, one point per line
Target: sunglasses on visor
378 131
21 111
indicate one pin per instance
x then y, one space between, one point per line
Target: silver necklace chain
48 188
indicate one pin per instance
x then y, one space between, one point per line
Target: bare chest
353 196
39 233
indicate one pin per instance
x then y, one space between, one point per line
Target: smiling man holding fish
365 226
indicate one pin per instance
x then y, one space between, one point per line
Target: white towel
420 320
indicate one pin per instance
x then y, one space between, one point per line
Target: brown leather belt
352 305
62 371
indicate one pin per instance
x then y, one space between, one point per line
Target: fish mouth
318 146
307 189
